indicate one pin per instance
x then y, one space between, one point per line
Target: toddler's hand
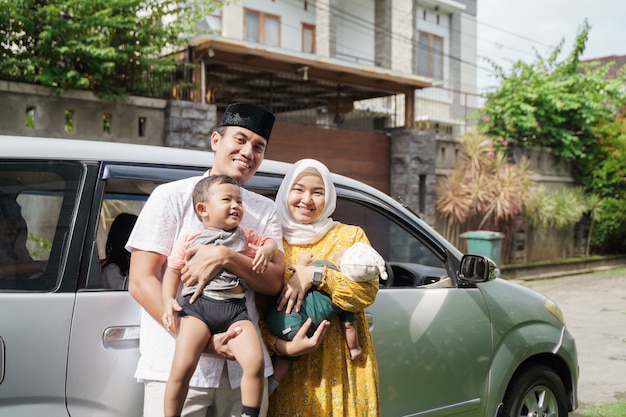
262 257
168 318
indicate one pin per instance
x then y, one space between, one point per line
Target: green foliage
40 247
553 104
573 109
484 189
560 209
609 233
113 47
605 170
614 409
604 174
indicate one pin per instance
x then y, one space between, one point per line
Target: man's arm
144 283
145 287
207 260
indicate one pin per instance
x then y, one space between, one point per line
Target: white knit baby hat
361 263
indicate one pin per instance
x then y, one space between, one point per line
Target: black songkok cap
250 116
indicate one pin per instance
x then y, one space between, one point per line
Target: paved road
594 306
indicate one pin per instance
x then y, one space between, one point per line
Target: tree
113 48
573 109
553 104
487 191
604 174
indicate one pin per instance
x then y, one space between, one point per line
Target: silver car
452 339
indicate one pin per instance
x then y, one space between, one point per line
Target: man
239 145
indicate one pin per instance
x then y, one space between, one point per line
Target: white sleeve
158 224
260 214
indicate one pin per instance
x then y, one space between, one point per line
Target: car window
386 234
37 205
412 262
117 218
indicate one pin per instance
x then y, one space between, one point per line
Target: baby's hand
305 258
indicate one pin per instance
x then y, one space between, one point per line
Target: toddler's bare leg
248 352
192 337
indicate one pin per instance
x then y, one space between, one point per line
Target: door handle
121 337
2 360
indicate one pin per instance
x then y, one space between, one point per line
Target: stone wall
32 110
189 125
413 176
405 164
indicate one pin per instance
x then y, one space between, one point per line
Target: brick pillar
413 177
382 34
402 27
189 125
326 28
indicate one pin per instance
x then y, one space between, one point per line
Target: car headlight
553 308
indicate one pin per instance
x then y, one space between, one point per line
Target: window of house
308 38
430 56
262 28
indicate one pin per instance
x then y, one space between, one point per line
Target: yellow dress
327 382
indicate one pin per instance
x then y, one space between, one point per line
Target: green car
451 338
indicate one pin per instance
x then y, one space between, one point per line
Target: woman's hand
301 344
204 262
292 294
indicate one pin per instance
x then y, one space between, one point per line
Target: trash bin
484 242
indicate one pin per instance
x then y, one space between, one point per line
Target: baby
360 263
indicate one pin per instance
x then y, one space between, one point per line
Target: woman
325 382
115 265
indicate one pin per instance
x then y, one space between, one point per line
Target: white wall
355 31
291 12
469 53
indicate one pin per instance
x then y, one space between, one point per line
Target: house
377 90
618 62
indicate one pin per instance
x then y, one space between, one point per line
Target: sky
508 30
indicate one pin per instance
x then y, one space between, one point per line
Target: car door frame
104 348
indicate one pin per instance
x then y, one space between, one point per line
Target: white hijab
295 232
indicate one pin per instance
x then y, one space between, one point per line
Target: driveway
594 306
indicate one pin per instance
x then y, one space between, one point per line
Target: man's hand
204 262
292 294
218 344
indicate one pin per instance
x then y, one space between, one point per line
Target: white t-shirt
112 277
168 212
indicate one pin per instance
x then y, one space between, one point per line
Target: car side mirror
478 268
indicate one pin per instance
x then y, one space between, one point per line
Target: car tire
538 390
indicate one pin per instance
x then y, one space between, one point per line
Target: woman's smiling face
307 198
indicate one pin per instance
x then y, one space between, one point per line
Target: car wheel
537 391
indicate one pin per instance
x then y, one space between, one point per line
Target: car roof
22 147
29 147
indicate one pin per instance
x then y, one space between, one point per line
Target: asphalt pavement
594 306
